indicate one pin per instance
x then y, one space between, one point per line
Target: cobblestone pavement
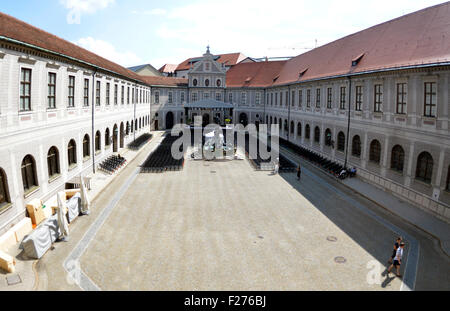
224 226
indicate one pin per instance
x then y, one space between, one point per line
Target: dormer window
302 73
357 59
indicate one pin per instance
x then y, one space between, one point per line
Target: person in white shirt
397 259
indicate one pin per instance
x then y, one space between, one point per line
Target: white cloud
78 7
108 51
261 28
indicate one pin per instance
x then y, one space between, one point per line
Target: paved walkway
25 267
412 214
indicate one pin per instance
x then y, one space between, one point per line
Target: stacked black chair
140 141
329 166
161 159
112 164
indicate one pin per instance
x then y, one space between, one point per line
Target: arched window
98 144
132 126
86 149
292 127
108 137
280 124
299 129
424 169
341 141
307 131
375 151
397 158
72 152
135 125
29 177
4 193
356 146
270 121
327 137
53 162
317 134
194 82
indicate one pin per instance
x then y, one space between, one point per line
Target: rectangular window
342 99
230 97
317 98
257 99
97 94
107 93
194 97
71 92
243 98
51 98
116 91
276 99
430 99
401 98
128 95
170 99
218 96
86 92
25 89
182 97
157 98
132 95
308 98
329 97
271 99
300 98
293 98
205 95
358 104
286 100
122 95
281 99
378 98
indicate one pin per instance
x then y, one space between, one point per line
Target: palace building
377 100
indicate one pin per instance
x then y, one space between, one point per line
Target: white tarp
85 202
41 239
62 219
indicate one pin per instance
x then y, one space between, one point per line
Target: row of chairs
331 167
285 164
112 164
161 159
140 141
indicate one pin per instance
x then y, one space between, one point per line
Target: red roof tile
168 68
13 28
164 81
227 59
422 37
256 74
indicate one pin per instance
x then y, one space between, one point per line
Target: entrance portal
169 120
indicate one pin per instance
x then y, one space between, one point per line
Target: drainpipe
348 119
93 129
288 99
134 102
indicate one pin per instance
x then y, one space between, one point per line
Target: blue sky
132 32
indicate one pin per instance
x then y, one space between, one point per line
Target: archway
122 134
205 119
115 133
243 119
169 120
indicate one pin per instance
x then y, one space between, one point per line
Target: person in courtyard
396 246
277 166
299 172
397 260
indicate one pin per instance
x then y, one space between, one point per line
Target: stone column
409 176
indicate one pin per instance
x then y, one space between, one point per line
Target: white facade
34 131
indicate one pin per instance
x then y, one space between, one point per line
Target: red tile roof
227 59
168 68
422 37
164 81
256 74
13 28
